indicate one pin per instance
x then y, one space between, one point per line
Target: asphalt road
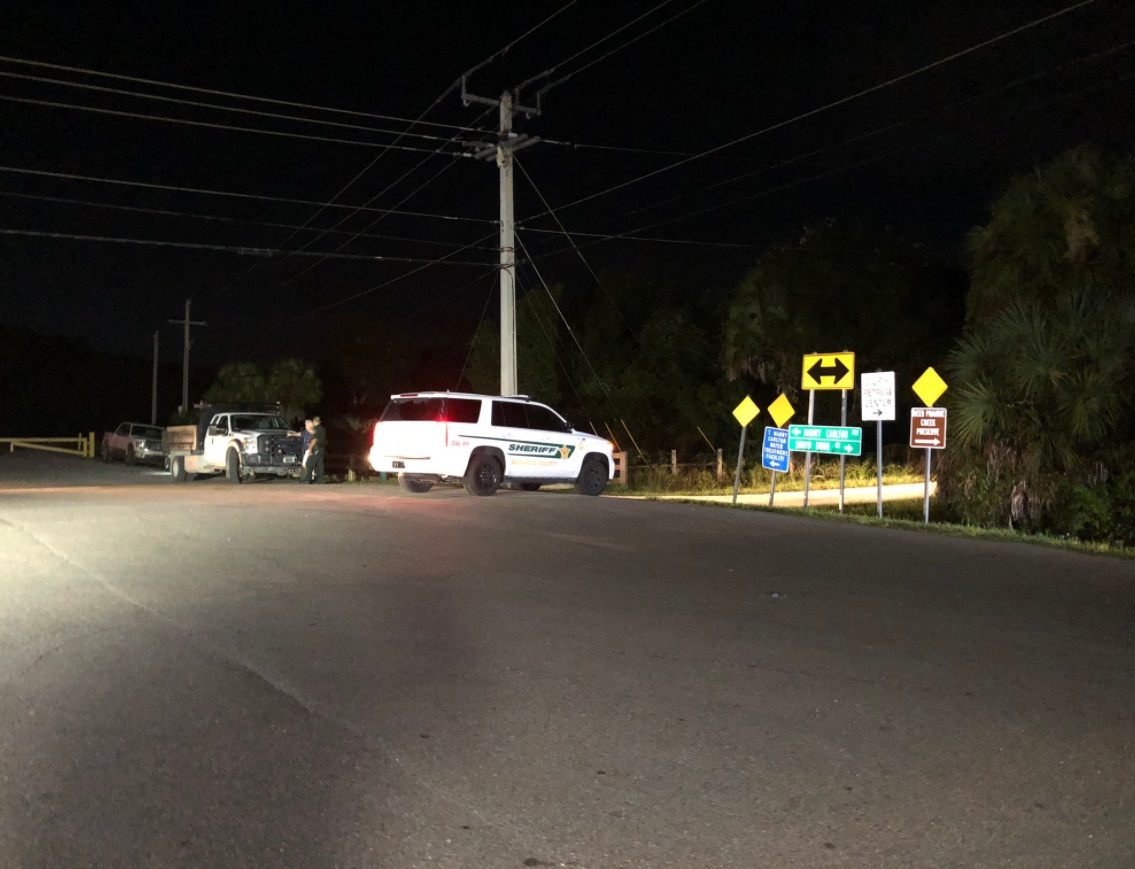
282 675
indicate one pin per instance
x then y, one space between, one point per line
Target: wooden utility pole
186 323
502 151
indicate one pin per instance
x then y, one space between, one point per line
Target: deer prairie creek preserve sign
928 427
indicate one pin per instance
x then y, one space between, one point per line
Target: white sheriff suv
485 441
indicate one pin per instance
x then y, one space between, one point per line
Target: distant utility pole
502 150
185 354
154 386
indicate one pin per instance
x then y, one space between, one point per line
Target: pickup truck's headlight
139 443
250 445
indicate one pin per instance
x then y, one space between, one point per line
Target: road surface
348 675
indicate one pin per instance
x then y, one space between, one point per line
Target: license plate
289 460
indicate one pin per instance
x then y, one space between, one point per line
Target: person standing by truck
318 451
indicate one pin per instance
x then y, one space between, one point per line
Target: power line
662 152
229 194
831 105
582 258
381 217
617 48
567 325
836 171
426 111
684 241
215 126
595 44
476 329
220 93
224 248
221 108
886 128
503 51
212 217
444 297
387 283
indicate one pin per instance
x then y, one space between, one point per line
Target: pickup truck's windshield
148 431
259 422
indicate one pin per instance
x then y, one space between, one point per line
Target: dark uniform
318 451
305 474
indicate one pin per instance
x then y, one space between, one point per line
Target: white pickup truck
240 442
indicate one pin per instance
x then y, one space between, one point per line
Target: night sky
925 155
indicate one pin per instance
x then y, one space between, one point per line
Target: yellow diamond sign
746 411
781 411
930 387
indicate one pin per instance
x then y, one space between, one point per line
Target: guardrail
82 446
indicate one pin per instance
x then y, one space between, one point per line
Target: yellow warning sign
828 371
746 411
929 387
781 411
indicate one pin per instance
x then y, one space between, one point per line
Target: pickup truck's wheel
592 479
232 467
105 452
177 469
530 487
130 455
483 476
412 484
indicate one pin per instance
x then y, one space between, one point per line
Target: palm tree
1044 377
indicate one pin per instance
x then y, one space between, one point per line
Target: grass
907 515
661 480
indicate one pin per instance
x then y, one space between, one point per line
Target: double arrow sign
828 371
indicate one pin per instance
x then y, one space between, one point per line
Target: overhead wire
458 81
476 329
1037 22
165 212
232 109
886 128
230 194
215 126
437 101
618 48
582 258
320 309
381 217
552 343
684 241
840 169
248 250
595 44
567 325
220 93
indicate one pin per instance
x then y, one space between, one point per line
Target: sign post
826 371
775 456
808 454
744 413
877 391
842 456
928 425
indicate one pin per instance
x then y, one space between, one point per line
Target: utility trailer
239 441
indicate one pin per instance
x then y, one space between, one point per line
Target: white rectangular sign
877 392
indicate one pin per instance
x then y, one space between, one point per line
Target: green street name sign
834 439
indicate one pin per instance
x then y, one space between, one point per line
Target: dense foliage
1044 376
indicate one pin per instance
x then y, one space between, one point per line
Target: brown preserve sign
928 427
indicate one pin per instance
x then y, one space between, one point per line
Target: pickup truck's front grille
275 447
